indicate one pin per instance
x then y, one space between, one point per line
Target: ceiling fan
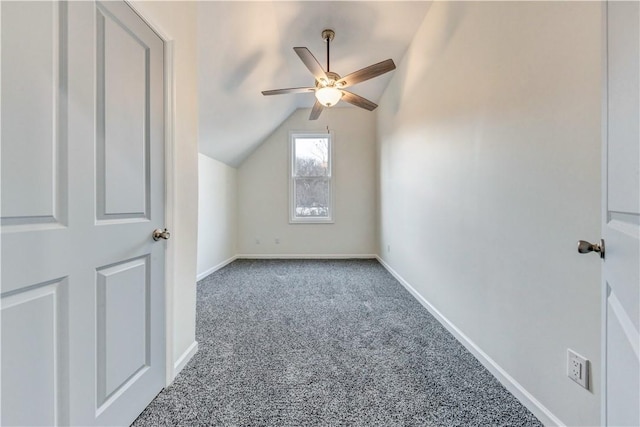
329 86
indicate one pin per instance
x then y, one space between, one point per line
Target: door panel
623 398
123 71
82 280
32 358
623 149
621 218
123 324
33 58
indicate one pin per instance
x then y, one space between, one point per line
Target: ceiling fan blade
367 73
311 62
288 90
358 101
315 111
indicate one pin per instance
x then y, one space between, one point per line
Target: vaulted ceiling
247 47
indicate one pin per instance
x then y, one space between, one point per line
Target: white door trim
603 207
170 176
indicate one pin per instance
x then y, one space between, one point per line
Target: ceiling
247 47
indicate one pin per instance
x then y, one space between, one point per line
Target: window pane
312 197
312 157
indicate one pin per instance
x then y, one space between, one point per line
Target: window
310 178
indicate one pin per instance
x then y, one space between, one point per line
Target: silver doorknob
585 247
160 234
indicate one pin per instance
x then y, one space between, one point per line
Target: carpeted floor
325 343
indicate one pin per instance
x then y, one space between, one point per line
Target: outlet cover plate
578 368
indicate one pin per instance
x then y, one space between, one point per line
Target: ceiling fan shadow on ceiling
329 86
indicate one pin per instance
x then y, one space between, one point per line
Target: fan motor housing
332 77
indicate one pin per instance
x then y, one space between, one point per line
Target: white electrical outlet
578 368
257 241
277 240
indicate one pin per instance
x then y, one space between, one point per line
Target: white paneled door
82 291
621 218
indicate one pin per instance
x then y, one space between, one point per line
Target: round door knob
160 234
585 247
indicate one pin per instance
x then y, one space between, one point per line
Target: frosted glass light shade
328 96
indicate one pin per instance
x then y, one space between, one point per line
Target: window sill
311 221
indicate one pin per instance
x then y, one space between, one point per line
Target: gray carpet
325 343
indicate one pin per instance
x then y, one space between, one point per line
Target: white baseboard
306 256
215 268
531 403
184 359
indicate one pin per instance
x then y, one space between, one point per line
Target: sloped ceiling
247 47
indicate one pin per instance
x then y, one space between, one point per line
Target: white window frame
293 219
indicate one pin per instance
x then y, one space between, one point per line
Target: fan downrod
327 36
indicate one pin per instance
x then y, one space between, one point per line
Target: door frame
604 128
169 179
604 205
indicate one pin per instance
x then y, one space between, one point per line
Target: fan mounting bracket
328 35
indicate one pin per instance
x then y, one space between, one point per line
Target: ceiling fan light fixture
329 85
328 96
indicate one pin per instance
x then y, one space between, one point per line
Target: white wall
489 165
263 194
177 20
217 215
